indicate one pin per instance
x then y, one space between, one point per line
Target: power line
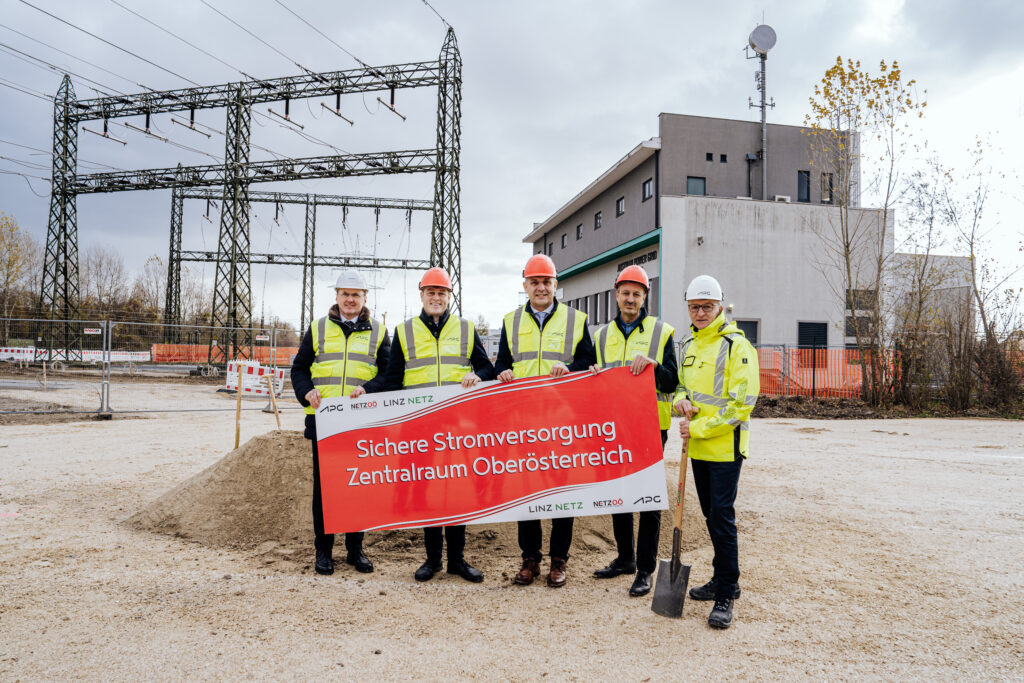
104 40
45 65
48 153
254 36
443 20
333 42
20 88
175 35
84 61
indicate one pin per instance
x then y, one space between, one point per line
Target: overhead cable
333 42
254 36
104 40
45 65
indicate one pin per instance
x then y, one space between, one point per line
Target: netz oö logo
608 503
332 408
647 500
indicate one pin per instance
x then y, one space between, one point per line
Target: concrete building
688 202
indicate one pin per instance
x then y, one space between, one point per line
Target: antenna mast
761 40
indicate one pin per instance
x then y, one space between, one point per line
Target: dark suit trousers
648 533
434 537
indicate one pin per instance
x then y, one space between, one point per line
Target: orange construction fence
825 372
200 353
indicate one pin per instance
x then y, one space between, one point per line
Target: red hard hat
436 277
634 274
540 265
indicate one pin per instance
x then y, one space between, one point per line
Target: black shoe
710 590
427 570
463 569
641 584
360 561
616 568
721 614
324 563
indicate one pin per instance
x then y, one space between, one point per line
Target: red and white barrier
253 378
29 353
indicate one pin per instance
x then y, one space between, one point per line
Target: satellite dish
762 39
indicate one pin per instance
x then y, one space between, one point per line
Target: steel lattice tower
446 234
59 300
172 305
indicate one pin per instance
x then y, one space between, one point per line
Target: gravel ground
883 549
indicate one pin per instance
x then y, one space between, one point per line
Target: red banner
534 448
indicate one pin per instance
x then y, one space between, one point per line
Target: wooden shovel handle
683 459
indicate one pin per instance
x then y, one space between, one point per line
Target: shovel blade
670 590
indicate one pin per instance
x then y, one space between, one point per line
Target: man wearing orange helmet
543 337
638 340
439 349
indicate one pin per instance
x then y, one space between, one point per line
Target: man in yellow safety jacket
344 353
637 340
719 382
439 349
543 337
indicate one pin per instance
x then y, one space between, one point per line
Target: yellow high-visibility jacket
342 363
534 351
647 339
719 374
440 361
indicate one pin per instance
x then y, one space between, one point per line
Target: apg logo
647 500
332 408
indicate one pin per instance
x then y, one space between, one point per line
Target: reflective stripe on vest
650 342
440 361
341 363
535 350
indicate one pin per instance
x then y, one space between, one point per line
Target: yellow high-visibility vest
535 351
342 363
439 361
614 350
718 373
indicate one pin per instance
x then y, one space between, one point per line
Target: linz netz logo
647 500
608 503
332 408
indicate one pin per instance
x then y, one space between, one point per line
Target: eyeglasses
707 308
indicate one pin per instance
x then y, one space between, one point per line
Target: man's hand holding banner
534 448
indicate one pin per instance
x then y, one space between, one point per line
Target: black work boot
427 570
709 590
721 613
360 561
324 562
617 567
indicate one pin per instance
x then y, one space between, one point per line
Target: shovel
673 575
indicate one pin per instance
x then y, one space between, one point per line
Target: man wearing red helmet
543 337
638 340
438 349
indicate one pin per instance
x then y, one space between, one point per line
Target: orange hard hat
540 265
436 277
634 274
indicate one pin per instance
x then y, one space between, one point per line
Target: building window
803 186
863 299
858 326
826 188
620 206
648 189
709 156
812 339
579 231
564 240
597 221
722 158
749 329
551 248
652 300
695 185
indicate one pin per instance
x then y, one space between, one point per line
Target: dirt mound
258 496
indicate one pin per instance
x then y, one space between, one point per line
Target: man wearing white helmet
718 387
344 353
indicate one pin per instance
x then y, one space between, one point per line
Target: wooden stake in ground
273 401
238 407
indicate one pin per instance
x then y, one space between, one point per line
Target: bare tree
858 245
151 286
104 281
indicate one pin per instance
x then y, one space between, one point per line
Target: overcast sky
553 93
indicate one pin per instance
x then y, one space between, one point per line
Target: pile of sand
260 495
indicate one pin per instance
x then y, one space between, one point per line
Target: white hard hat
704 287
350 279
